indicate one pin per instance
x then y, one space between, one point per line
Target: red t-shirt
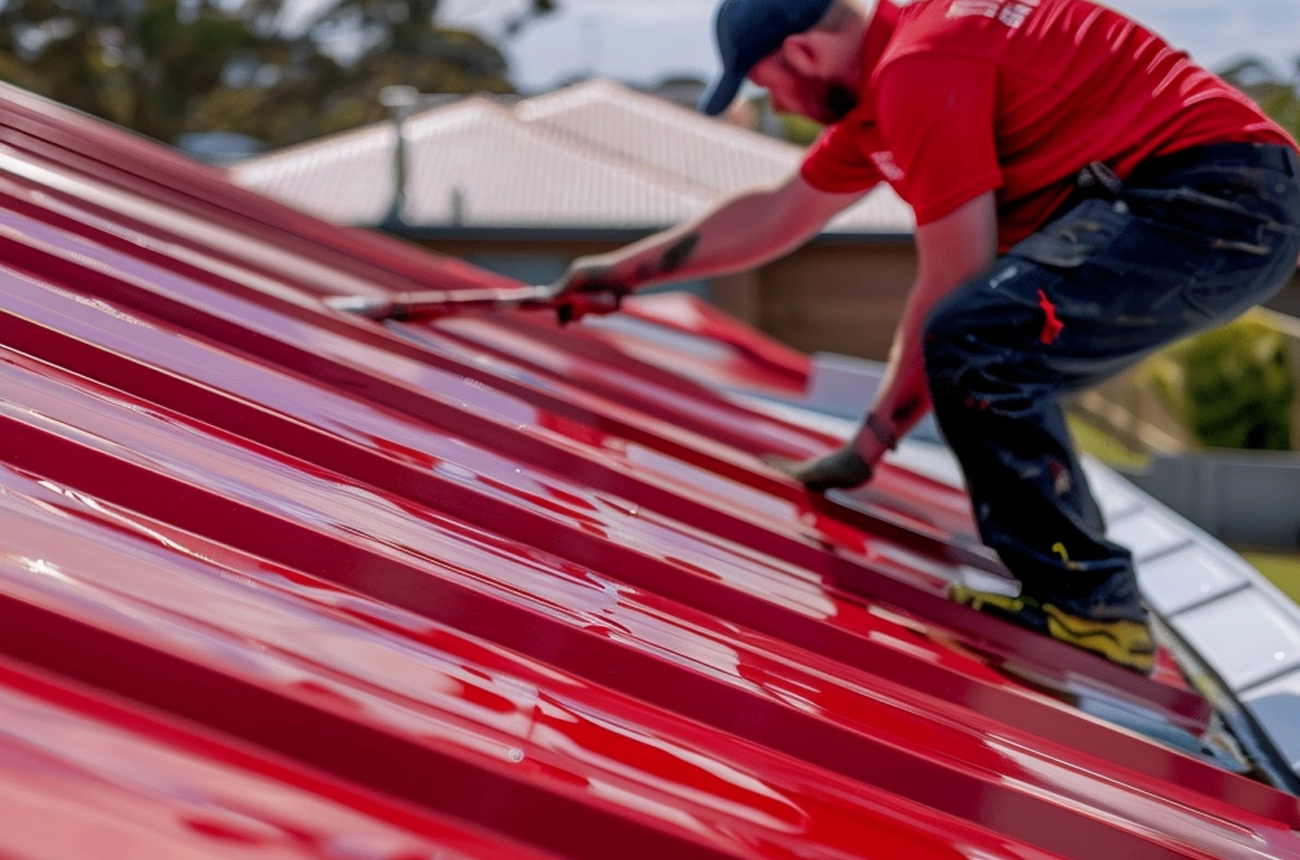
961 97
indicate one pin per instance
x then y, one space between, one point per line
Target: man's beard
827 103
839 101
822 101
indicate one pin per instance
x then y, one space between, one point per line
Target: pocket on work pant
1110 264
1243 274
1077 236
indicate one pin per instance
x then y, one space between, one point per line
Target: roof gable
594 155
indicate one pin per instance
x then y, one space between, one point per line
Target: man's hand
589 286
842 468
590 275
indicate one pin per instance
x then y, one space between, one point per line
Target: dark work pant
1189 242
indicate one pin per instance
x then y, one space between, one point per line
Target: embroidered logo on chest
885 163
1013 13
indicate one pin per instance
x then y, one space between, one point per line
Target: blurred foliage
799 129
1232 387
1282 570
1100 441
757 113
1276 93
166 67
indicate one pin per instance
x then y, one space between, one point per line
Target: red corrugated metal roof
279 579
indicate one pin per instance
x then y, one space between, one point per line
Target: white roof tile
663 136
348 178
511 172
593 155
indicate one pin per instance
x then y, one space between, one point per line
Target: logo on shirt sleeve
888 168
1013 13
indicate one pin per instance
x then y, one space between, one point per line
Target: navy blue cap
749 30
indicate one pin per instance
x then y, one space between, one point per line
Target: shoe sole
1125 643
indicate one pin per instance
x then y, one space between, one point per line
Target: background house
523 186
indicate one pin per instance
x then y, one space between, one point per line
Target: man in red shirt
1083 193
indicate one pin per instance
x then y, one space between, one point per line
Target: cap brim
723 92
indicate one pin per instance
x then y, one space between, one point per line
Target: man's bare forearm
661 257
951 251
740 233
721 242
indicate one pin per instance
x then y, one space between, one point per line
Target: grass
1092 439
1282 570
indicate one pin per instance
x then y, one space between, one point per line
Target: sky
643 41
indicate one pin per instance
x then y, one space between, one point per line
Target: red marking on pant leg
1051 324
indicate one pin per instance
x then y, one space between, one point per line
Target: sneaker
1123 641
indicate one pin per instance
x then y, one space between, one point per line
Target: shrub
1232 387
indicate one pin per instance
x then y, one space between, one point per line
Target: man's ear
802 53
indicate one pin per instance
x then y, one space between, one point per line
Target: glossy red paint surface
86 776
487 584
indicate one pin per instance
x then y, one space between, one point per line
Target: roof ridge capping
554 136
464 112
606 128
468 103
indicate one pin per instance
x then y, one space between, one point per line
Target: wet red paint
282 580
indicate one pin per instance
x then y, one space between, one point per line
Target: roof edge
529 233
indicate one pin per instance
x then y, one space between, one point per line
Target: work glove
590 275
588 286
840 469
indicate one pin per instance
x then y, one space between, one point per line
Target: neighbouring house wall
528 260
845 299
825 297
740 295
822 298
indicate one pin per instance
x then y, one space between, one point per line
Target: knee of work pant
967 370
946 347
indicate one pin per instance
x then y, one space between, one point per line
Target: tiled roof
349 181
595 154
661 136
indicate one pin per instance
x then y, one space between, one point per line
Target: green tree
1231 387
165 67
130 62
1278 95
